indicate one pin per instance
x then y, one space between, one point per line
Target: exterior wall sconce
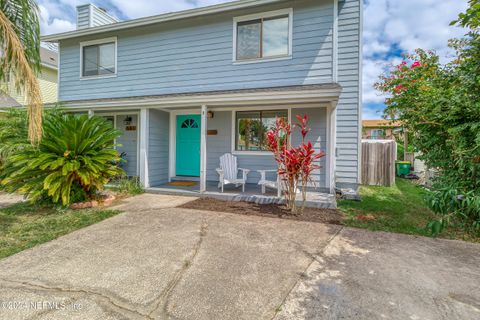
127 121
210 114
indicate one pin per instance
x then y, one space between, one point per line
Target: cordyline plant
295 164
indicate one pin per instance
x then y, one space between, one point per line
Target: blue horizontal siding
348 123
128 142
221 143
196 55
158 148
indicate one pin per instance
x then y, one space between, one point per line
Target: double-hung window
252 126
264 36
98 58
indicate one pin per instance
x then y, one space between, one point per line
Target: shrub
13 133
75 158
439 104
127 185
452 203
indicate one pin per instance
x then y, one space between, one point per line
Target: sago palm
76 155
13 133
20 56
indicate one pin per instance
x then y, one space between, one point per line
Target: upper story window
98 58
263 36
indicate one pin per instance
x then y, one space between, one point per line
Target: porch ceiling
291 94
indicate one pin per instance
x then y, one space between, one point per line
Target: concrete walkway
7 200
159 262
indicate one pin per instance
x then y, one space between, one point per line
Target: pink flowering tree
295 164
439 105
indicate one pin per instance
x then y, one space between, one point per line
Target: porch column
332 145
144 134
203 150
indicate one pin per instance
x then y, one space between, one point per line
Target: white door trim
173 139
144 142
203 150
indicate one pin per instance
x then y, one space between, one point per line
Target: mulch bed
332 216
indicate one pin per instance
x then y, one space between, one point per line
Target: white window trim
96 42
234 129
263 15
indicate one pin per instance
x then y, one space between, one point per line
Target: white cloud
142 8
49 25
390 26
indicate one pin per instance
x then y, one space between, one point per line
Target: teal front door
188 145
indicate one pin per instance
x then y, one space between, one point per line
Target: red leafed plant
295 164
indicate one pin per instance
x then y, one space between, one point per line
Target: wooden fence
378 162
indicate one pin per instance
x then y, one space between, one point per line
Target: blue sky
391 27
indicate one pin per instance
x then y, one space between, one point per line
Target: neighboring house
187 87
48 81
381 129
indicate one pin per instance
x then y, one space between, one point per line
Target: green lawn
398 209
23 225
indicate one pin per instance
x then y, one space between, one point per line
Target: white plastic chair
228 172
264 182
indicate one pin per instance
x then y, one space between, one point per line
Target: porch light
210 114
127 121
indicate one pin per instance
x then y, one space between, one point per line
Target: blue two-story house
187 87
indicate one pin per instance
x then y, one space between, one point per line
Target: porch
183 136
252 193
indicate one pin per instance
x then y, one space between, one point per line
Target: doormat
182 184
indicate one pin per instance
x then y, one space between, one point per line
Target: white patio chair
228 172
273 184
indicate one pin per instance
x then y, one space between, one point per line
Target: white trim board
143 145
98 42
222 100
233 110
360 95
263 15
203 11
121 113
335 42
172 148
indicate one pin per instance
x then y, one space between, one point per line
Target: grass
400 209
127 186
23 225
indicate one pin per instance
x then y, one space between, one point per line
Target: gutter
237 99
49 66
191 13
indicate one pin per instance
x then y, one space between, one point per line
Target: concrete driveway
159 262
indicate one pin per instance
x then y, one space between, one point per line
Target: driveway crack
125 310
313 260
161 306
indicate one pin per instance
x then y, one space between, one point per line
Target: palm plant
20 56
76 156
13 133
